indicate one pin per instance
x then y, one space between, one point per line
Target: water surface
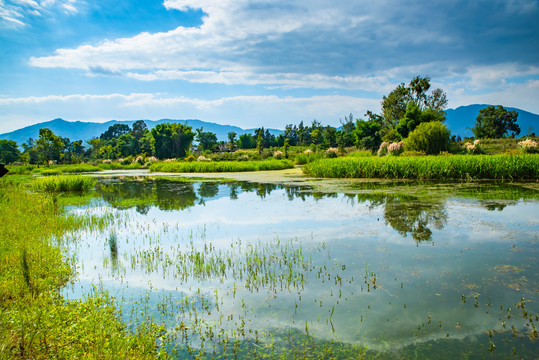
392 271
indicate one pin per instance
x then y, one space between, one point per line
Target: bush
528 146
382 151
431 137
395 149
190 158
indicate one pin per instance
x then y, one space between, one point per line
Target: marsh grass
220 166
35 322
63 183
302 159
466 167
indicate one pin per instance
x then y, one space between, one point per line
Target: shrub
332 152
430 137
382 151
473 149
395 149
278 154
190 158
203 158
528 146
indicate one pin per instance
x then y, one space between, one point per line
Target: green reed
220 166
466 167
64 183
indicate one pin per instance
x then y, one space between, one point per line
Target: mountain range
459 121
79 130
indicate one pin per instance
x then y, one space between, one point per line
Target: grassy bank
429 167
220 166
35 321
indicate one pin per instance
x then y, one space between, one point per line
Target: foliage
171 140
36 323
430 137
9 151
415 116
473 149
221 166
395 149
395 104
528 146
307 157
429 167
495 123
206 140
48 146
367 134
64 183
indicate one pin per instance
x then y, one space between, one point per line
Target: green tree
206 140
395 104
367 134
232 140
415 116
247 141
495 123
49 146
429 137
260 141
171 140
115 131
9 151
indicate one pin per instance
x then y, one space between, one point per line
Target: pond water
381 271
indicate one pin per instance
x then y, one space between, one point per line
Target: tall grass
64 183
429 167
35 321
220 166
302 159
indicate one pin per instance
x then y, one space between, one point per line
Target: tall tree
171 140
495 122
115 131
206 140
9 151
49 146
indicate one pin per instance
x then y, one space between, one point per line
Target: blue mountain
78 130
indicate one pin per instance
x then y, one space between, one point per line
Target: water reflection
255 263
414 215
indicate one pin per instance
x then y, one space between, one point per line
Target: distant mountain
462 119
78 130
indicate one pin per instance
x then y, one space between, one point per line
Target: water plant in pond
429 167
64 183
221 166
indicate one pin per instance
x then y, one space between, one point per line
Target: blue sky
257 63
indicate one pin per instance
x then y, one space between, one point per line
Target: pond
239 269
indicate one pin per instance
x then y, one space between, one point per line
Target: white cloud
15 13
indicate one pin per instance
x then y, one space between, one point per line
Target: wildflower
278 154
203 158
528 146
395 148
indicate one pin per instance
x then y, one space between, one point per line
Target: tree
247 141
415 116
115 131
367 133
49 146
495 123
395 104
171 140
232 140
429 137
9 151
206 140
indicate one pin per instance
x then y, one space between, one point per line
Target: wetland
314 269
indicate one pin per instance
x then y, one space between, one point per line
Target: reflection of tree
414 216
492 205
208 189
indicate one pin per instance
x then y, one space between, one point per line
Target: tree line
413 112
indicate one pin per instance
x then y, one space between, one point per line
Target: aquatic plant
221 166
429 167
64 183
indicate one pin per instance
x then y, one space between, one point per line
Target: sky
253 63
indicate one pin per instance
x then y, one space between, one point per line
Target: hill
78 130
462 119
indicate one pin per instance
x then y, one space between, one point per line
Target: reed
513 167
220 166
63 183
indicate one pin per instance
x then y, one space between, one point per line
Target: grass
63 183
221 166
302 159
429 167
35 322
